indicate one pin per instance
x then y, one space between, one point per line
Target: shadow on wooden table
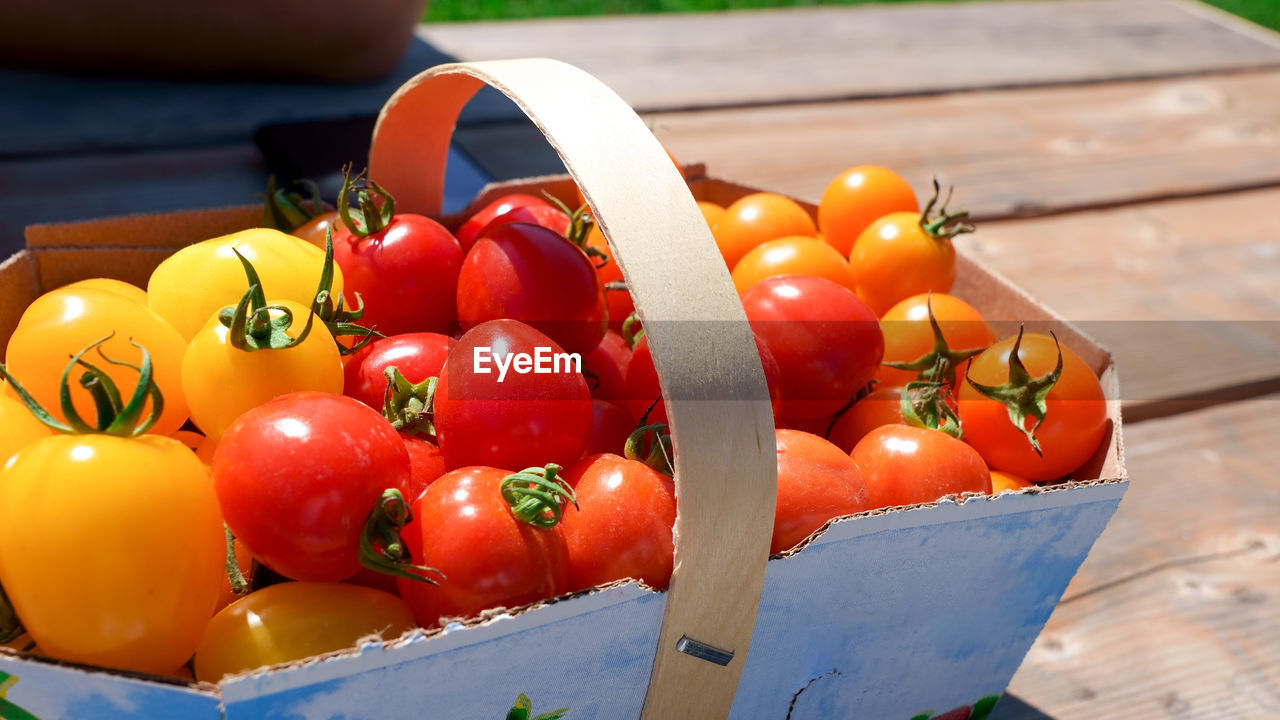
1011 707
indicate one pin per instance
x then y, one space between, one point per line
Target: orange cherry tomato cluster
287 442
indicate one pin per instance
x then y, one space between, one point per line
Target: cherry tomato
245 564
298 476
316 230
1001 481
223 381
296 620
193 284
817 481
119 287
897 257
826 342
757 219
61 322
611 425
883 406
622 525
523 208
908 334
643 390
18 428
620 301
417 356
463 526
1075 419
529 273
129 575
606 368
792 255
426 463
711 212
517 419
858 197
904 465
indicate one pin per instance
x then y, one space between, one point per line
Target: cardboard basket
889 614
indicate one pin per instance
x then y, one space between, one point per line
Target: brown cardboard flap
160 230
18 287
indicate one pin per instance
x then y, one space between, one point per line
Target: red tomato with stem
298 476
523 208
817 481
827 343
487 416
417 356
465 527
622 524
904 465
529 273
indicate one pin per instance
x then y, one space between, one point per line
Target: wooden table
1123 157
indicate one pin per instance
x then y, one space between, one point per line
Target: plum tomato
882 406
858 197
535 411
529 273
621 526
904 465
756 219
792 255
463 526
1075 411
524 208
298 476
817 481
908 336
826 342
417 356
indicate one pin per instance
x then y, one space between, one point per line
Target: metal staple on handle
702 651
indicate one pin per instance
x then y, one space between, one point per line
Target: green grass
1263 12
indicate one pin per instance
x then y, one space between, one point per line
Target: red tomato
1075 418
519 419
611 425
908 335
756 219
426 464
817 481
529 273
622 525
643 389
525 208
606 368
463 526
883 406
298 476
417 356
826 342
406 274
858 197
904 465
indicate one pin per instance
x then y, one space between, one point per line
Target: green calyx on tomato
250 323
239 585
929 404
524 708
370 218
115 417
408 406
340 321
632 330
382 548
658 455
287 210
939 364
1023 395
580 222
537 495
944 225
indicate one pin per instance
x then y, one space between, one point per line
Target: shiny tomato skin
908 335
1001 481
905 465
406 274
643 389
463 527
606 368
827 343
529 273
316 230
520 421
622 525
417 356
883 406
817 481
858 197
529 206
894 259
292 621
298 476
1075 419
426 464
18 428
756 219
611 425
792 255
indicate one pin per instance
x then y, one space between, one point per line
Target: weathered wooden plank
1174 614
1185 293
749 57
1009 153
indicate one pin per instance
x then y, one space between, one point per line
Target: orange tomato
757 219
711 212
895 258
858 197
908 335
1001 481
883 406
792 255
620 303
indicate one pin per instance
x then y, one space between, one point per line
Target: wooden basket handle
703 348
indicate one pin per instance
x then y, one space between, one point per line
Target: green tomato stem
537 495
382 549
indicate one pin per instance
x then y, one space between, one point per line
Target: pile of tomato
369 423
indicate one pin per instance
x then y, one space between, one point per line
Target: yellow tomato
195 283
63 322
222 382
18 428
111 549
792 255
296 620
119 287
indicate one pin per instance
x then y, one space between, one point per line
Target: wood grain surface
1175 613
